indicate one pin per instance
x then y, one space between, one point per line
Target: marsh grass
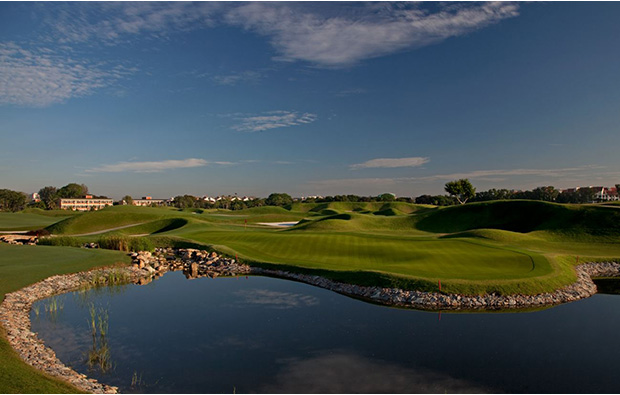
99 356
125 243
136 381
53 306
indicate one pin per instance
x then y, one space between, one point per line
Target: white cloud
393 162
332 35
350 92
273 120
577 174
235 78
153 167
344 38
40 77
112 22
488 174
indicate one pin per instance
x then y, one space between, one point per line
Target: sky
163 99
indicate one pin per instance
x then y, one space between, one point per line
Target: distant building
148 201
86 203
606 194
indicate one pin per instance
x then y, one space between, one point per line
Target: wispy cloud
580 174
116 21
153 167
332 35
393 162
273 120
337 39
236 78
40 77
479 174
350 92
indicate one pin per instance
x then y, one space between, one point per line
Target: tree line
459 192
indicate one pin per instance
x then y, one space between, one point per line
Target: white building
148 201
84 204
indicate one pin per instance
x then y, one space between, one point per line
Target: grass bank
24 265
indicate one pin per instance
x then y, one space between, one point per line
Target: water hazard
267 335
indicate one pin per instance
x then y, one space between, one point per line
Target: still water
266 335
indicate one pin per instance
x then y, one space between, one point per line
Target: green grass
28 220
24 265
503 247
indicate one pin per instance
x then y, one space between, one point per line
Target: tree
73 191
279 199
461 189
49 196
548 194
617 188
12 200
185 201
586 195
386 197
128 199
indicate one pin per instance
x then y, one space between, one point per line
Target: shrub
65 241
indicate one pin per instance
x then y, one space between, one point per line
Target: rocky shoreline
146 266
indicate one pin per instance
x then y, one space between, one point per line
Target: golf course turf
500 247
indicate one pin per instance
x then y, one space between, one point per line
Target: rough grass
24 265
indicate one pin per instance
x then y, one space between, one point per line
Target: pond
265 335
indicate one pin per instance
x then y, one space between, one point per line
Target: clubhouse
86 203
148 201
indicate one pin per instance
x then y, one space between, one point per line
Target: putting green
408 256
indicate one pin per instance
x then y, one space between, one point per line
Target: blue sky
164 99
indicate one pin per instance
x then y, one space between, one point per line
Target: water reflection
351 373
274 299
262 334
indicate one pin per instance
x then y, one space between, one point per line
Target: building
86 203
606 194
148 201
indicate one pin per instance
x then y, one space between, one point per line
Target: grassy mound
355 222
30 219
153 227
111 217
523 217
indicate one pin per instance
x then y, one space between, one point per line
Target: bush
65 241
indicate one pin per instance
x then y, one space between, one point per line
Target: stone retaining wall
15 309
584 287
15 317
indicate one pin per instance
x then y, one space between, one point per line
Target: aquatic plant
136 381
99 355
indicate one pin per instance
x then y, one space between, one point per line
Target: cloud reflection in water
349 373
276 300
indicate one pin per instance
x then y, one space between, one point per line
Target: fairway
421 257
26 221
